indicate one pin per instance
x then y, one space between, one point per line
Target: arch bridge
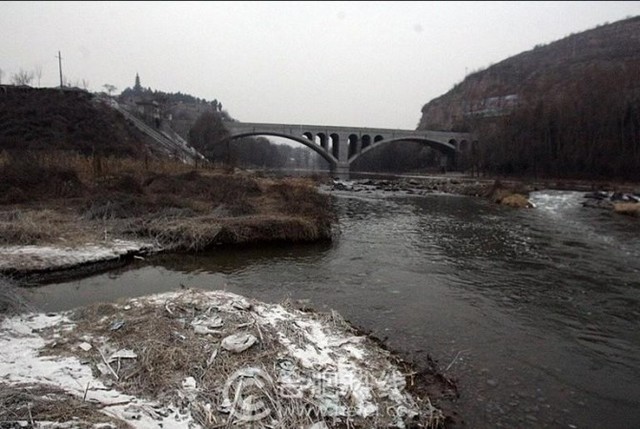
341 146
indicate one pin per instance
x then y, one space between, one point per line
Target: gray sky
369 64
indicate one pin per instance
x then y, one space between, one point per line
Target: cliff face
543 73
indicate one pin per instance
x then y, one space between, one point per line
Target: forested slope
567 109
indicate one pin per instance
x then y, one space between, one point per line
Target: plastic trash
116 325
122 354
238 343
85 346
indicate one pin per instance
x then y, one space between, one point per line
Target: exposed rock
623 203
598 203
497 90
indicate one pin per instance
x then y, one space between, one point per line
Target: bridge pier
366 139
341 170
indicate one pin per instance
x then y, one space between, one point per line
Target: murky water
534 312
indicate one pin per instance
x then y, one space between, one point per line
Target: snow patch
345 375
23 258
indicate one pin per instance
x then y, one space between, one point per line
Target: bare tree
1 74
85 84
110 88
37 71
23 77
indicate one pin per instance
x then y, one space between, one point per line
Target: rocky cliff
542 73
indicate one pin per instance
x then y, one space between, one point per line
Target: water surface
534 312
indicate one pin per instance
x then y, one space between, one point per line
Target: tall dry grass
54 196
93 167
629 209
12 300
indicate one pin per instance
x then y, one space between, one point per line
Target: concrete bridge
341 146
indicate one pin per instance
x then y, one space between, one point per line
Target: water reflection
234 259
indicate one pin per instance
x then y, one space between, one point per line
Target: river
535 313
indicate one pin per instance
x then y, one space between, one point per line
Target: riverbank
450 186
202 359
67 214
58 214
75 222
622 198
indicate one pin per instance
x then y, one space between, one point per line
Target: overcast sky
369 64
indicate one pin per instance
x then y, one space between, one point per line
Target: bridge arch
308 142
366 141
448 148
339 146
322 140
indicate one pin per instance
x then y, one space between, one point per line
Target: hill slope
69 120
543 72
569 109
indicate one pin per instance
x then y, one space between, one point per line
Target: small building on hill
149 110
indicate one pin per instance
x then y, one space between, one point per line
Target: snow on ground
34 258
21 363
319 359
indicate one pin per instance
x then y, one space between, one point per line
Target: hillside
545 71
570 108
70 120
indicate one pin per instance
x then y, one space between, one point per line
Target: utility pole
60 67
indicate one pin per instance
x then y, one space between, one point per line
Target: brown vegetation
177 337
44 403
67 199
49 119
73 171
630 209
514 195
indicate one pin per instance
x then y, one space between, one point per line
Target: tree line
584 128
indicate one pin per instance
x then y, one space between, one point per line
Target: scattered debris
238 343
271 366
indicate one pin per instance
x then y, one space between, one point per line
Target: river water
535 313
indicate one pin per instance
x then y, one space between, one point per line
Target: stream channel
534 312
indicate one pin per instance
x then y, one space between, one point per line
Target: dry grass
629 209
187 234
89 168
54 198
27 226
47 226
509 195
33 403
516 200
169 350
11 299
